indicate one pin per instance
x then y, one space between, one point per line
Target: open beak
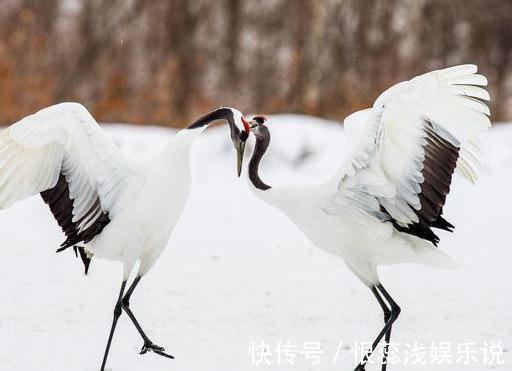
240 149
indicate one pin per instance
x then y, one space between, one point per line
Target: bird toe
150 347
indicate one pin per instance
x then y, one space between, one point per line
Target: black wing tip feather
61 206
439 164
423 229
442 223
85 258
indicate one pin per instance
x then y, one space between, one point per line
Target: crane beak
240 146
240 149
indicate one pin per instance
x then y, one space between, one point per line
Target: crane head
243 135
239 137
256 123
238 126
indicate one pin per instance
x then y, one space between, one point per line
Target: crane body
149 207
108 204
386 200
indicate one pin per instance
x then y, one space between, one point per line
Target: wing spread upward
62 153
403 152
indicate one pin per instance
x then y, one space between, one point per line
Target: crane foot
150 347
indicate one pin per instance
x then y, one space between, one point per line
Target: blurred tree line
168 61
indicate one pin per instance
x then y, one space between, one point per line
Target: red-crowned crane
382 205
108 204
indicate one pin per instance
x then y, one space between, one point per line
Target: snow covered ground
215 295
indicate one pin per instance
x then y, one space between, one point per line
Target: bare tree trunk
182 27
302 18
98 30
233 32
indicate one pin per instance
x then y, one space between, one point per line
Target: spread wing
403 152
62 153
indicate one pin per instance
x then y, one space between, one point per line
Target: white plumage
386 163
381 206
108 204
65 139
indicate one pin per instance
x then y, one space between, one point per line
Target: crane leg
148 344
117 312
390 316
387 316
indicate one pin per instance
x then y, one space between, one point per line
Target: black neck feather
218 114
262 143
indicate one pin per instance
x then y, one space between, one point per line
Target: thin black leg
387 315
387 339
396 309
148 344
117 313
395 312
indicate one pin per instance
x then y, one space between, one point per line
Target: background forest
168 61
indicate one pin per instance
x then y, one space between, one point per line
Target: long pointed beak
240 149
